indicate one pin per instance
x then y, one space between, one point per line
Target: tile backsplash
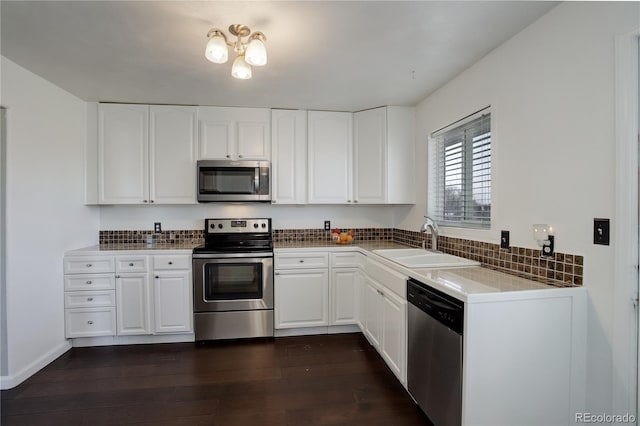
560 269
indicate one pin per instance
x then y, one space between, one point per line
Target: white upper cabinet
383 159
289 156
330 138
146 154
123 154
172 152
234 133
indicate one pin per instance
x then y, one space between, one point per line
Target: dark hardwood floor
308 380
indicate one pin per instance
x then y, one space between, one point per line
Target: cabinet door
373 313
217 134
393 342
254 133
301 298
288 156
361 300
370 156
172 153
343 296
329 158
173 305
132 304
123 158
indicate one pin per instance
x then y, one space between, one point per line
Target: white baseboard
13 380
307 331
83 342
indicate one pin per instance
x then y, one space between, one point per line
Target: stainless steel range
233 280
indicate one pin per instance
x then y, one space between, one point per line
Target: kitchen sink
420 258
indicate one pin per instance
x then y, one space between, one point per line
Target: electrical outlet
157 227
327 225
601 231
504 240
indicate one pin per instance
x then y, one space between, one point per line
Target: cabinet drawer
90 322
171 262
89 282
301 261
132 264
88 265
89 299
346 260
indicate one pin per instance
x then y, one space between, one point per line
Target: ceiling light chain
251 52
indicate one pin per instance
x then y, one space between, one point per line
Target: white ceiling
343 55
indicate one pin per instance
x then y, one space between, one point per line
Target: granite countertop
366 245
133 247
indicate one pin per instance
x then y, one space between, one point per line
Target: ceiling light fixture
250 53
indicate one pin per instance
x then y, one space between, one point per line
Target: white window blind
460 173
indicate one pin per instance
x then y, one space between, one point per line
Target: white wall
45 215
191 217
551 89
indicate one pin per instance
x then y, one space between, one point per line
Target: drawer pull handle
89 265
131 264
117 276
89 282
89 299
90 322
170 263
301 260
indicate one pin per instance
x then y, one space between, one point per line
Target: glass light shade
241 69
256 53
217 51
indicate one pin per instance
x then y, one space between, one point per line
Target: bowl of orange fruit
342 236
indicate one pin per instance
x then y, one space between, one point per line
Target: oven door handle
214 256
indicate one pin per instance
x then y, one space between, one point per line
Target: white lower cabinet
384 322
132 301
172 301
89 297
301 298
342 288
123 299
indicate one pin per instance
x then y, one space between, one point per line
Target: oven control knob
255 225
220 225
264 225
212 226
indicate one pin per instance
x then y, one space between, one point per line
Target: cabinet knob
170 263
157 277
277 273
151 201
131 264
89 265
239 156
89 299
355 201
228 156
301 260
89 282
117 276
348 201
144 201
90 322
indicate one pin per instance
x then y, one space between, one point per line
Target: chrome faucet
430 225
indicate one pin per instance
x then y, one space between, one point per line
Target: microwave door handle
256 181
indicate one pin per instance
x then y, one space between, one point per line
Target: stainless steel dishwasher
434 371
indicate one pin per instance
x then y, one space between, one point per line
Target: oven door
233 283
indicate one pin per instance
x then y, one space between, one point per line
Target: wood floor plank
314 380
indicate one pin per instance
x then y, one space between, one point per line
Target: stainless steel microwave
226 180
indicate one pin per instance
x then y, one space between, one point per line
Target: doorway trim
625 226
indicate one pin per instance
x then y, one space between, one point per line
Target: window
460 172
